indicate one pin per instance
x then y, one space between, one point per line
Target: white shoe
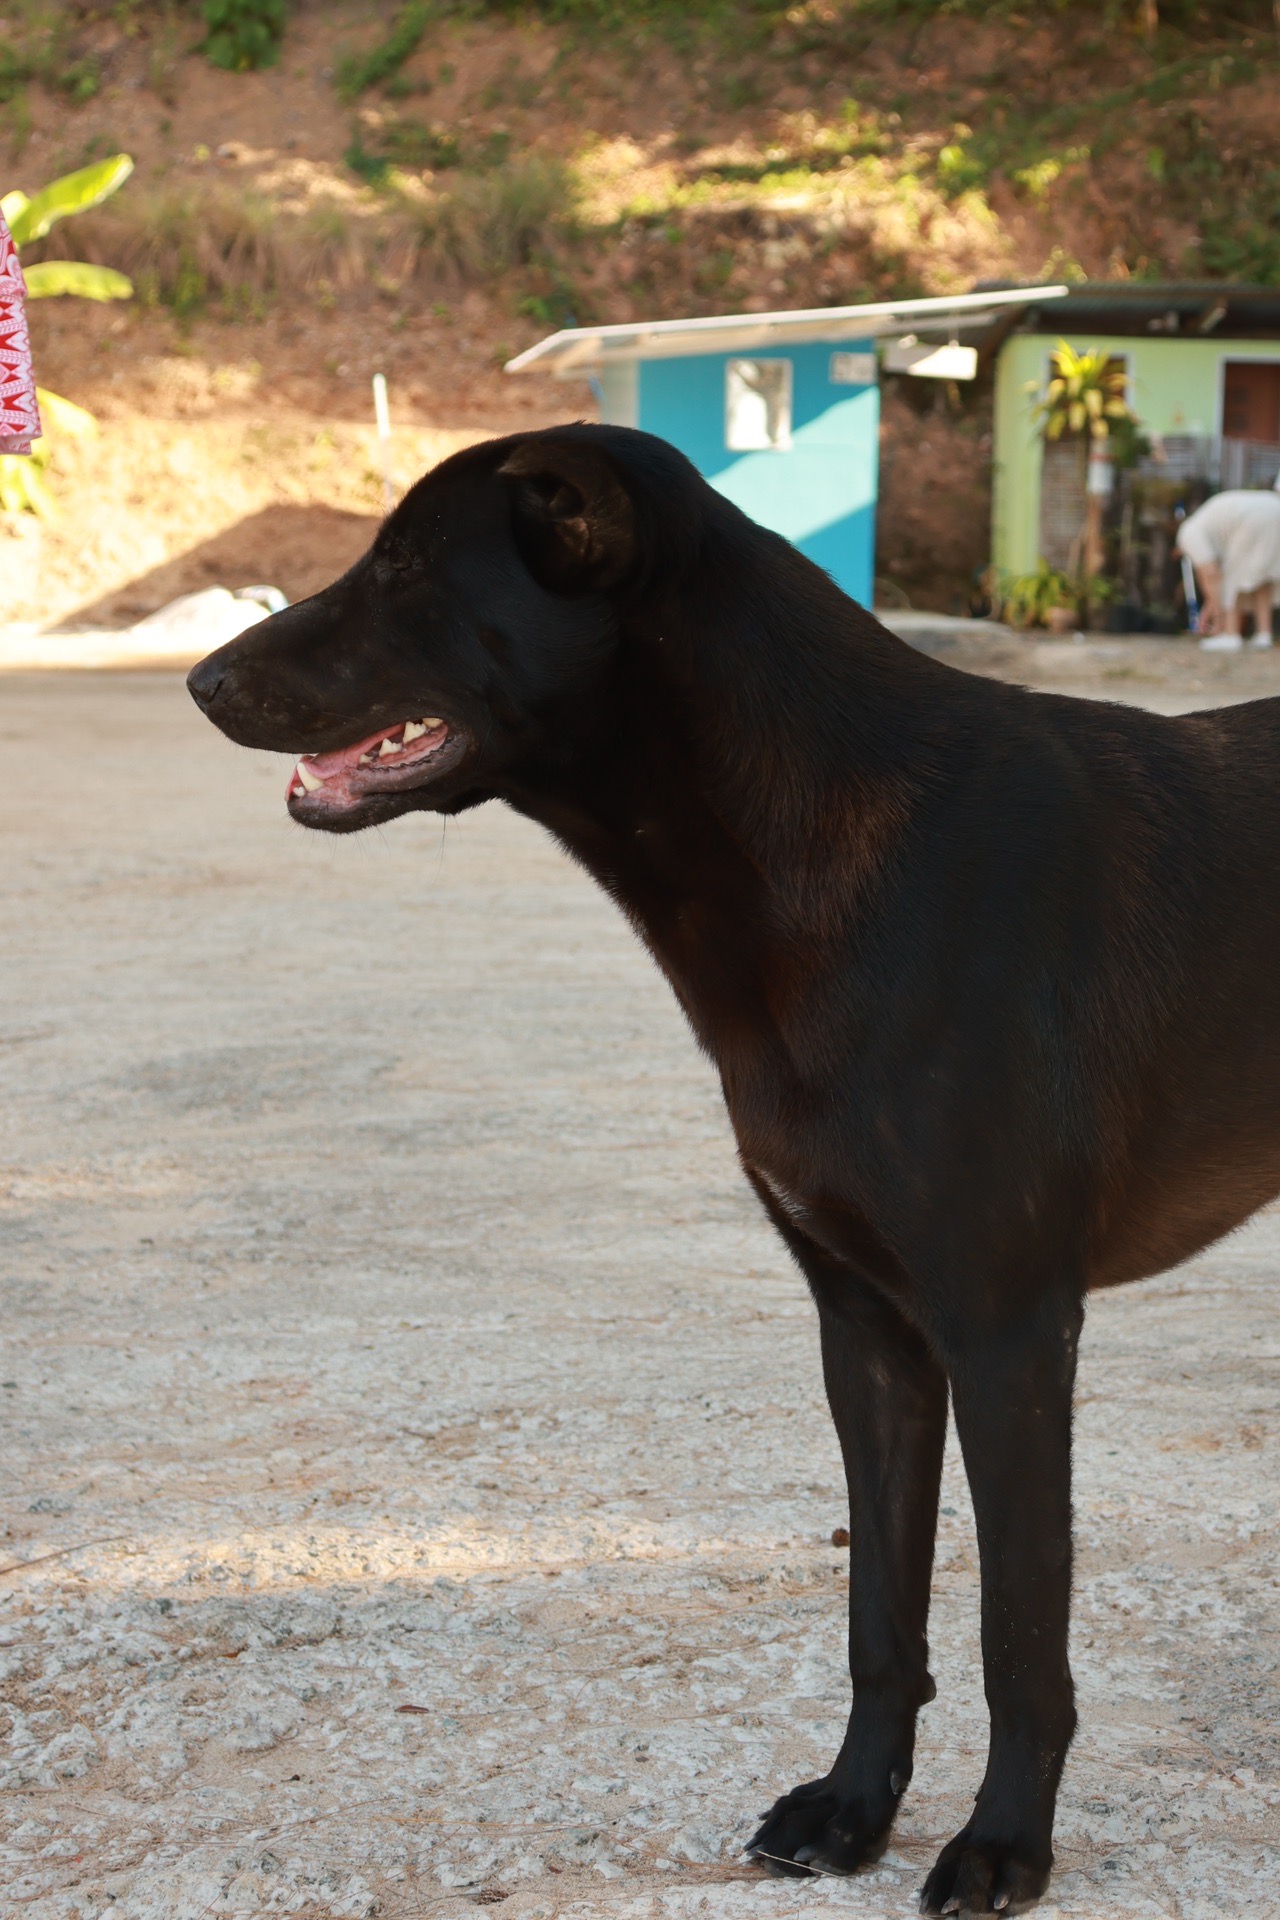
1222 643
1261 641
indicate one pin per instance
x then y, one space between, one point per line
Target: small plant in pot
1045 598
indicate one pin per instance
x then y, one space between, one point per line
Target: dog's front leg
1011 1390
888 1396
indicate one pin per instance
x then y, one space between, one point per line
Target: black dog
992 980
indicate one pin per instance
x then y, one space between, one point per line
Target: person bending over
1233 542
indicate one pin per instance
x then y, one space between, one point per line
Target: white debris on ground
417 1487
176 634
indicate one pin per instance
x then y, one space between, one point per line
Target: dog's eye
399 556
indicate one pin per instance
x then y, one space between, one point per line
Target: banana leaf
64 416
73 193
76 276
22 488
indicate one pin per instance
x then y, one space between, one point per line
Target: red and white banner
19 415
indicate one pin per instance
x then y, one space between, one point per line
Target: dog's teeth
388 747
429 726
413 730
307 778
365 759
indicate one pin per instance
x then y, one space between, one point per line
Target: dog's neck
759 773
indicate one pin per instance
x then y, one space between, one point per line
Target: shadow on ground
296 548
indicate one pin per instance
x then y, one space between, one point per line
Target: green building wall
1175 387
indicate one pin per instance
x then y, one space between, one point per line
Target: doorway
1251 400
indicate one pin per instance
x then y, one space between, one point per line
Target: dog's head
476 643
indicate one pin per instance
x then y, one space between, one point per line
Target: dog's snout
204 680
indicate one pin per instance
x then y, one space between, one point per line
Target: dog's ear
574 521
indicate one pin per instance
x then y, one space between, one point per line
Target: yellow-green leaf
22 490
73 193
11 206
77 277
64 416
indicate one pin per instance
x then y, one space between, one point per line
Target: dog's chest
836 1227
790 1200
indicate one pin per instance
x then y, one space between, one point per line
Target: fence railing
1216 460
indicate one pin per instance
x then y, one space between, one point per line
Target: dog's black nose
204 680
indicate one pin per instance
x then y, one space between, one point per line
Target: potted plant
1045 598
1086 401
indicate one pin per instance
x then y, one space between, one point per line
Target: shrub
400 143
243 34
188 245
487 223
78 79
363 70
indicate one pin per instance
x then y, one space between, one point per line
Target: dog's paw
981 1876
814 1830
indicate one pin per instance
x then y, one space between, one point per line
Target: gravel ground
417 1483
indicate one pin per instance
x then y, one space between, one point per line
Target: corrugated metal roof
578 349
1189 308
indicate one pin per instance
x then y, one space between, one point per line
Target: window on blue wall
757 405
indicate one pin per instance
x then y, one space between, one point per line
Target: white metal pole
382 415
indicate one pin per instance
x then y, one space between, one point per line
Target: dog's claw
817 1862
976 1876
817 1829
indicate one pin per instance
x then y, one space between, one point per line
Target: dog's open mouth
399 759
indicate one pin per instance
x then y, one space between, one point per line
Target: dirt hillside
424 189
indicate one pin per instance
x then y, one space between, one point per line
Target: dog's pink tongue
342 759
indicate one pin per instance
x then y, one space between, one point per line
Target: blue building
780 411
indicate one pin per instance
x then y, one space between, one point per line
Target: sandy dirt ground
417 1488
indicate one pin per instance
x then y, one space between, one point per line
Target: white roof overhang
578 350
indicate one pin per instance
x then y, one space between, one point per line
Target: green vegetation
1033 599
1085 396
1027 599
487 223
210 246
29 218
1085 400
45 57
243 34
188 247
380 67
376 151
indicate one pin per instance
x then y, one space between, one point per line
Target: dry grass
483 224
844 197
234 245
